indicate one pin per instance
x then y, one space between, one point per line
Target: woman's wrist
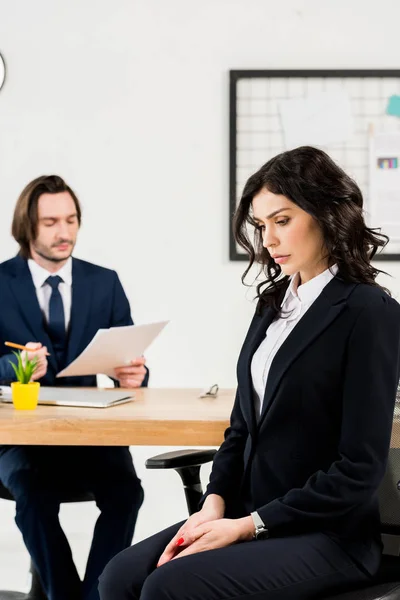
214 505
245 529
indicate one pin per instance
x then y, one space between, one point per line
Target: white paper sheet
111 348
319 119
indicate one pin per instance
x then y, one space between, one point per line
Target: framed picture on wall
363 105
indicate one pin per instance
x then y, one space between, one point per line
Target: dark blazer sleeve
121 311
6 371
121 315
369 392
227 470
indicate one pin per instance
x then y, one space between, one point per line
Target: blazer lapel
26 299
81 300
326 308
255 336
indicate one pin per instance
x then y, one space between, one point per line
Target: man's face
57 228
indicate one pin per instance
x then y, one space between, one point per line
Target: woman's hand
213 509
217 534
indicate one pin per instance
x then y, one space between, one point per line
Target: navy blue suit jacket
315 458
98 301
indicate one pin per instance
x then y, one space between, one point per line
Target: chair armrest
179 459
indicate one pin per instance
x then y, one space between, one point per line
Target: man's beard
43 252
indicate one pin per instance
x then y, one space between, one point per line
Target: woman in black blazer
291 510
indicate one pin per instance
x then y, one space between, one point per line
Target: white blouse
295 304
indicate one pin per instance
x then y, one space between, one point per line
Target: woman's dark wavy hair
311 179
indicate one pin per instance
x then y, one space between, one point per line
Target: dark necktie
56 324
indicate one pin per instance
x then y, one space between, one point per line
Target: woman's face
292 237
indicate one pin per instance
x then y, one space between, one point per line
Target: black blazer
98 301
316 457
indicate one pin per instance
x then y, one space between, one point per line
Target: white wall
128 100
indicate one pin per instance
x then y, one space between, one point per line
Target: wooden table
157 417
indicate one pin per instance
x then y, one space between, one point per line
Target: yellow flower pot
25 395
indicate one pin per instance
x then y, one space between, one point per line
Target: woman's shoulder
365 295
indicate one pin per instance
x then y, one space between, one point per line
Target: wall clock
2 71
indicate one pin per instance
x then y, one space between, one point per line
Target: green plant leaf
15 369
23 372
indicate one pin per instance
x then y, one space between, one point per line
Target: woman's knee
117 582
120 580
126 573
166 583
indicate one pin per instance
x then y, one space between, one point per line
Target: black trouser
39 476
298 567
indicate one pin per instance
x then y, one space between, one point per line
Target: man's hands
40 352
131 376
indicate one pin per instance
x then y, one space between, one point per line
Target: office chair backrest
389 495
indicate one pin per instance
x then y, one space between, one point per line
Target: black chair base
35 593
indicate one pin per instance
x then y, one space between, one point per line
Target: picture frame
254 97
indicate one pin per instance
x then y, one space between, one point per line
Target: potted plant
24 392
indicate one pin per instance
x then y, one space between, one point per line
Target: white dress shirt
295 304
43 289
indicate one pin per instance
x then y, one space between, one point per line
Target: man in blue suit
59 303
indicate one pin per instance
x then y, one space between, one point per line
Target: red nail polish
180 542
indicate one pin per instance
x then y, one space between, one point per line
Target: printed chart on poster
354 115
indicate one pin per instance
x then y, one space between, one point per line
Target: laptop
64 396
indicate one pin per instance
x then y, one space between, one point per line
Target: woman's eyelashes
280 222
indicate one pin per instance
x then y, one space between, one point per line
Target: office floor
78 520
